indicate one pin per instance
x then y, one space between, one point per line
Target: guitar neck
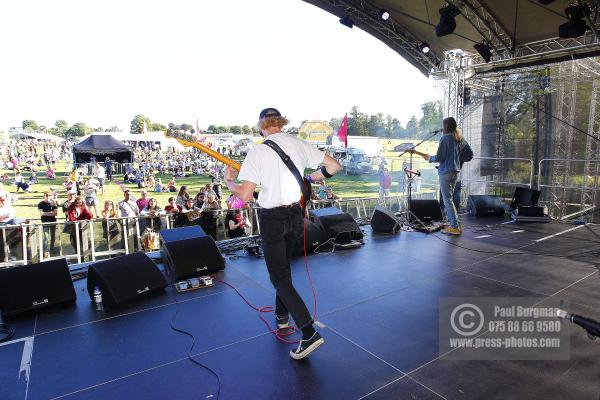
214 154
418 152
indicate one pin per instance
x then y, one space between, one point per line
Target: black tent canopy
100 147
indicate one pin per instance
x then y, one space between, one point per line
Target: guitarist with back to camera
281 216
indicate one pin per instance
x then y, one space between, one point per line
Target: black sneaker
282 321
307 346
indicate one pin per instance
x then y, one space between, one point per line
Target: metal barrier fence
501 180
97 239
117 168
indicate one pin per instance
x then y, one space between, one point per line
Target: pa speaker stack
337 225
384 221
189 252
485 206
34 286
315 237
125 278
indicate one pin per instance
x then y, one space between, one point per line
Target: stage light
424 47
576 26
347 21
383 14
545 2
484 51
447 23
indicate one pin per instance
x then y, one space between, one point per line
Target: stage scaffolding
535 126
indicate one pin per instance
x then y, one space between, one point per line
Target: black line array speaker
384 220
315 237
189 252
427 211
125 278
483 205
336 224
34 286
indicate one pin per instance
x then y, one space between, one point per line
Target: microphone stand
408 174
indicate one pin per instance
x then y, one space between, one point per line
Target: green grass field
344 186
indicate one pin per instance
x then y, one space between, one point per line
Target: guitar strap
292 167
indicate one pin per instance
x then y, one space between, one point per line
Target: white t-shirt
264 167
101 172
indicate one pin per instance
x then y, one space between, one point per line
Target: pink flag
342 133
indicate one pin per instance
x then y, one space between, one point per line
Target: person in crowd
448 157
101 175
322 190
77 211
159 187
110 227
48 210
108 166
153 212
91 195
7 211
385 183
172 207
182 196
199 199
216 185
281 217
209 216
209 190
128 207
234 202
50 172
172 185
235 223
329 195
20 183
142 202
67 203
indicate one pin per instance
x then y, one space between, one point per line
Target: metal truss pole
592 150
563 141
454 87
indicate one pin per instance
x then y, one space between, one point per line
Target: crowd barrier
82 241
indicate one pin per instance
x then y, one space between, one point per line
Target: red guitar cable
281 334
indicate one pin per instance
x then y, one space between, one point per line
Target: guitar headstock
180 135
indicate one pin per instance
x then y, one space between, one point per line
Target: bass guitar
188 140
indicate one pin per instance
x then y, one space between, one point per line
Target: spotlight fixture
347 21
576 26
484 51
383 14
424 47
447 23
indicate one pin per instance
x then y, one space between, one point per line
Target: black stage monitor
524 197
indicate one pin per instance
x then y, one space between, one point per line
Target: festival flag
342 133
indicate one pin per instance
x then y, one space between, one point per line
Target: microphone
592 327
408 171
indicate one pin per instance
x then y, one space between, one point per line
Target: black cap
269 112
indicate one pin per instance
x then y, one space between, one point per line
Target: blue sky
175 61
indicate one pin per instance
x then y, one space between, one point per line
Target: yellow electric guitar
190 141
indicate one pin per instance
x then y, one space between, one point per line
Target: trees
78 129
30 125
432 117
412 127
156 126
137 124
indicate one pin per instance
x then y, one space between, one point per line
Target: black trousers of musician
280 229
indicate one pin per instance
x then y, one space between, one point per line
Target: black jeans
281 228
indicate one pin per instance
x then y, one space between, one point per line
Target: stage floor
378 312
